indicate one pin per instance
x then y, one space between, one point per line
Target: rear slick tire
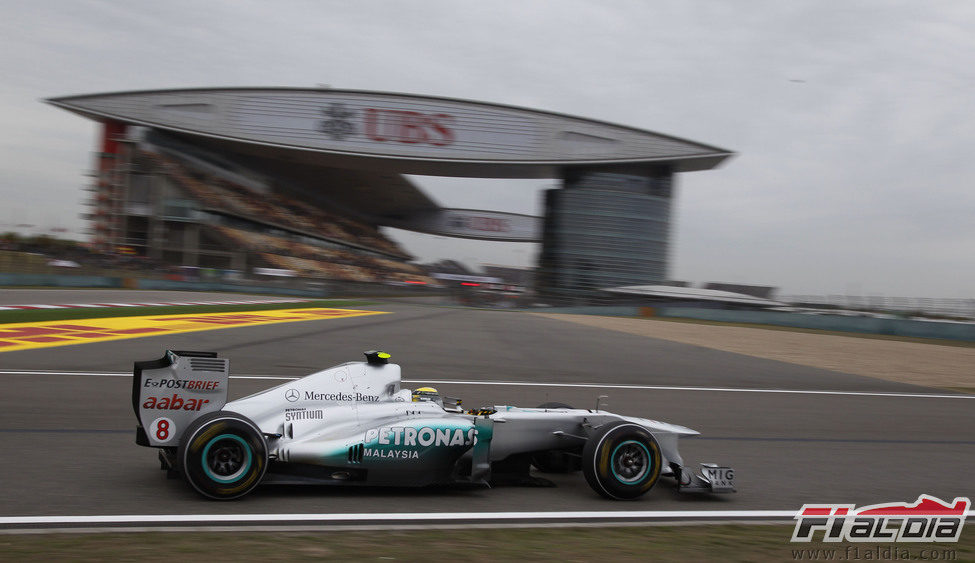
621 460
223 455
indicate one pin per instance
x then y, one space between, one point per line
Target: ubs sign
479 223
485 225
388 125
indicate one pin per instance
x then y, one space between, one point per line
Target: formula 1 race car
352 424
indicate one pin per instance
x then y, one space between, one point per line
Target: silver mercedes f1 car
353 424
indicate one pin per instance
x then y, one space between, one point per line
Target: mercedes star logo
292 395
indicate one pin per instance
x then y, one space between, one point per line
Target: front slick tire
621 460
223 455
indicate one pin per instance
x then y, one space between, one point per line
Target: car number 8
162 429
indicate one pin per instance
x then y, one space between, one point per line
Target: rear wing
170 393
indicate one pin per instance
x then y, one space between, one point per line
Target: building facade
605 229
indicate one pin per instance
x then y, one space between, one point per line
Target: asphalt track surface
69 450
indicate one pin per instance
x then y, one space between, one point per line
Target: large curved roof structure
394 133
666 292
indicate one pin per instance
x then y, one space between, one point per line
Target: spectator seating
341 255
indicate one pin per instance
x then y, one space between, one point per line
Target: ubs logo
338 125
292 395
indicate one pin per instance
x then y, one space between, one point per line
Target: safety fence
292 287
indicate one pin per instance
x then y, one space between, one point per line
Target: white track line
409 516
396 516
552 384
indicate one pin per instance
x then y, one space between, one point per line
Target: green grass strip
725 542
41 315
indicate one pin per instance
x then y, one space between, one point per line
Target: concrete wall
219 286
868 325
56 280
606 311
292 287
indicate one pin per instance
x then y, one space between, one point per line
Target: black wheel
555 461
621 460
223 455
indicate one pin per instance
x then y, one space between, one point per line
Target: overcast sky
854 122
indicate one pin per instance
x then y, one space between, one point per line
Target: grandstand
203 214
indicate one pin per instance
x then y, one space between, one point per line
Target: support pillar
603 229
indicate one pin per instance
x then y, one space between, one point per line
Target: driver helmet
426 394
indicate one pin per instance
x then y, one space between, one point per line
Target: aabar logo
929 519
174 403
